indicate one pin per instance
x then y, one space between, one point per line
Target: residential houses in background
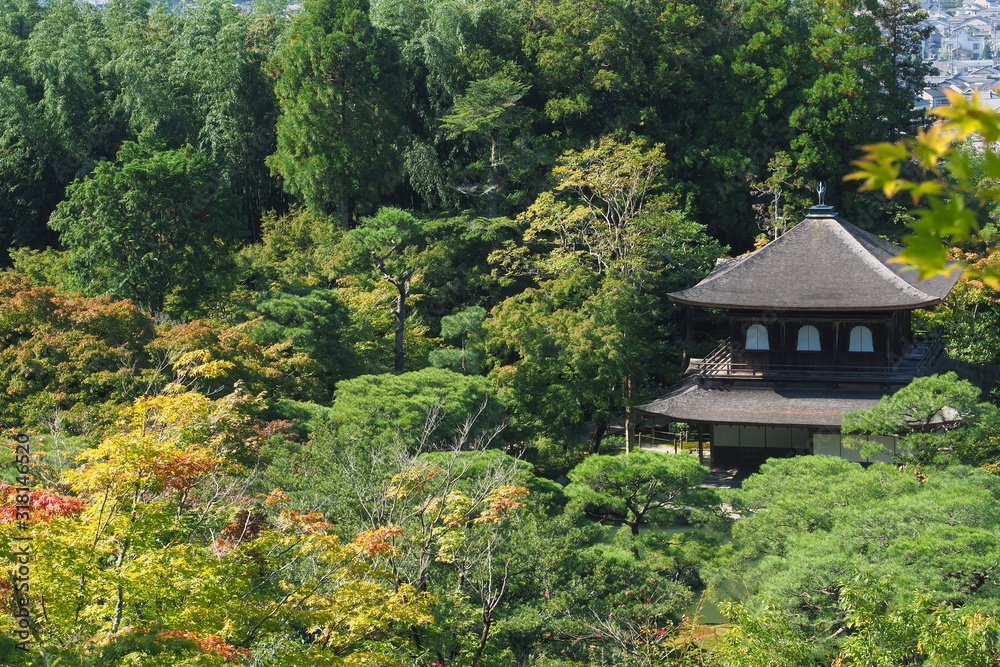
964 48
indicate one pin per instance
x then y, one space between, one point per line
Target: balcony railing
919 356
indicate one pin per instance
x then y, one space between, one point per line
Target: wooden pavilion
820 325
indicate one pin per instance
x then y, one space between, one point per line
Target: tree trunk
629 417
400 313
629 430
491 195
344 211
483 636
600 429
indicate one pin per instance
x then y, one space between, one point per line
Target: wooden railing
916 360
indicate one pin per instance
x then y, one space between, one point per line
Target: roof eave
728 306
681 417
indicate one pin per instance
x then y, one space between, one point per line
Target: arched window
808 339
861 340
757 337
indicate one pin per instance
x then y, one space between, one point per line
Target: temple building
819 325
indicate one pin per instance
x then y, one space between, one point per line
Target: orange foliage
84 356
377 541
179 470
306 522
60 350
42 506
208 643
501 500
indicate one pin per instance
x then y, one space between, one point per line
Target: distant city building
963 49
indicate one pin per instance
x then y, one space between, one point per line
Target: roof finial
821 210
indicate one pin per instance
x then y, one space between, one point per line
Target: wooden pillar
701 452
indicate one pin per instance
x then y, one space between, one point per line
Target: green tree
152 224
904 31
337 88
800 495
420 406
582 342
889 633
27 149
936 419
34 165
461 59
151 97
487 111
604 66
221 53
392 241
636 488
295 249
310 321
965 318
465 327
65 53
810 524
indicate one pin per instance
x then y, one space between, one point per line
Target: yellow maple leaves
945 182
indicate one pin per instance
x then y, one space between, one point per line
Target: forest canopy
319 326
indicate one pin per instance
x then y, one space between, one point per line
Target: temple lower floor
748 446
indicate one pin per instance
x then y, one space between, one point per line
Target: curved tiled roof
766 405
823 263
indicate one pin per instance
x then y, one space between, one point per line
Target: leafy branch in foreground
951 183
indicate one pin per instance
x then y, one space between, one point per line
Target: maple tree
159 554
65 353
932 170
69 361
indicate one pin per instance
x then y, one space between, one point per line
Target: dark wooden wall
891 334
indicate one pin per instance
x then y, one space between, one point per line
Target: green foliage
426 104
71 360
44 267
600 226
27 150
486 110
762 637
337 132
964 319
810 524
295 249
309 321
425 406
466 329
390 244
943 183
636 488
152 224
936 419
579 344
891 634
883 632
